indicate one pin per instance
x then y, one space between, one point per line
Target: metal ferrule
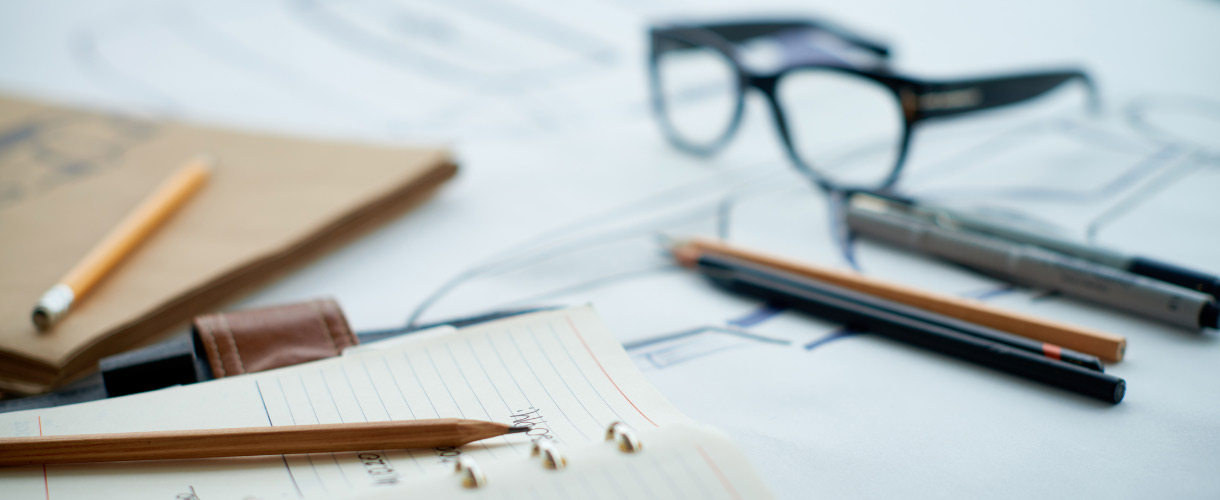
53 305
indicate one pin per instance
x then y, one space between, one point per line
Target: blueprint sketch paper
560 373
568 183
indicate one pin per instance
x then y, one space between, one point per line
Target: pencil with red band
905 324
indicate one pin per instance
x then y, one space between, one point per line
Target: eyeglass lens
846 128
698 92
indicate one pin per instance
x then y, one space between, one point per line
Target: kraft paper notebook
67 176
561 373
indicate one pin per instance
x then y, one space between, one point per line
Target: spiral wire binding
472 475
621 434
551 457
625 436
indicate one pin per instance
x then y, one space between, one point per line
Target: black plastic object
172 362
1178 275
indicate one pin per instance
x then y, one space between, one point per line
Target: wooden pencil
1106 346
121 240
250 441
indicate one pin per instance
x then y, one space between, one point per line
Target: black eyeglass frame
921 100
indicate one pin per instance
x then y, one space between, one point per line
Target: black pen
864 312
179 361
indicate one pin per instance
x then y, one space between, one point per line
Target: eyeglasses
829 91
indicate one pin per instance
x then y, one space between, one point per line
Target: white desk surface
566 182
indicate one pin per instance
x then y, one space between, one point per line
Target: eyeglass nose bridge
768 86
764 83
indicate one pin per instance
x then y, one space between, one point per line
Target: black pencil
968 317
860 311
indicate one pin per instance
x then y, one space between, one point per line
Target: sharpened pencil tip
670 242
515 430
683 250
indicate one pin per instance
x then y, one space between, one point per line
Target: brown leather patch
262 339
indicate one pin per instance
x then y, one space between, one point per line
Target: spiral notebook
677 461
561 373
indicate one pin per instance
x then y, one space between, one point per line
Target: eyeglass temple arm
943 99
745 31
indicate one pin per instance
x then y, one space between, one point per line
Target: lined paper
560 372
676 462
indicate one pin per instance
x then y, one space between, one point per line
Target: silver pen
1032 265
1144 266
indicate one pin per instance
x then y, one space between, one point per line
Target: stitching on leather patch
330 335
213 348
224 323
333 312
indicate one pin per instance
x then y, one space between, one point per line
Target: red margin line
46 485
604 372
719 474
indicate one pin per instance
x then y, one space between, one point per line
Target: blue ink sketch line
651 356
630 346
841 333
990 292
763 313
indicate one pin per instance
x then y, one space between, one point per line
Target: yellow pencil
121 241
